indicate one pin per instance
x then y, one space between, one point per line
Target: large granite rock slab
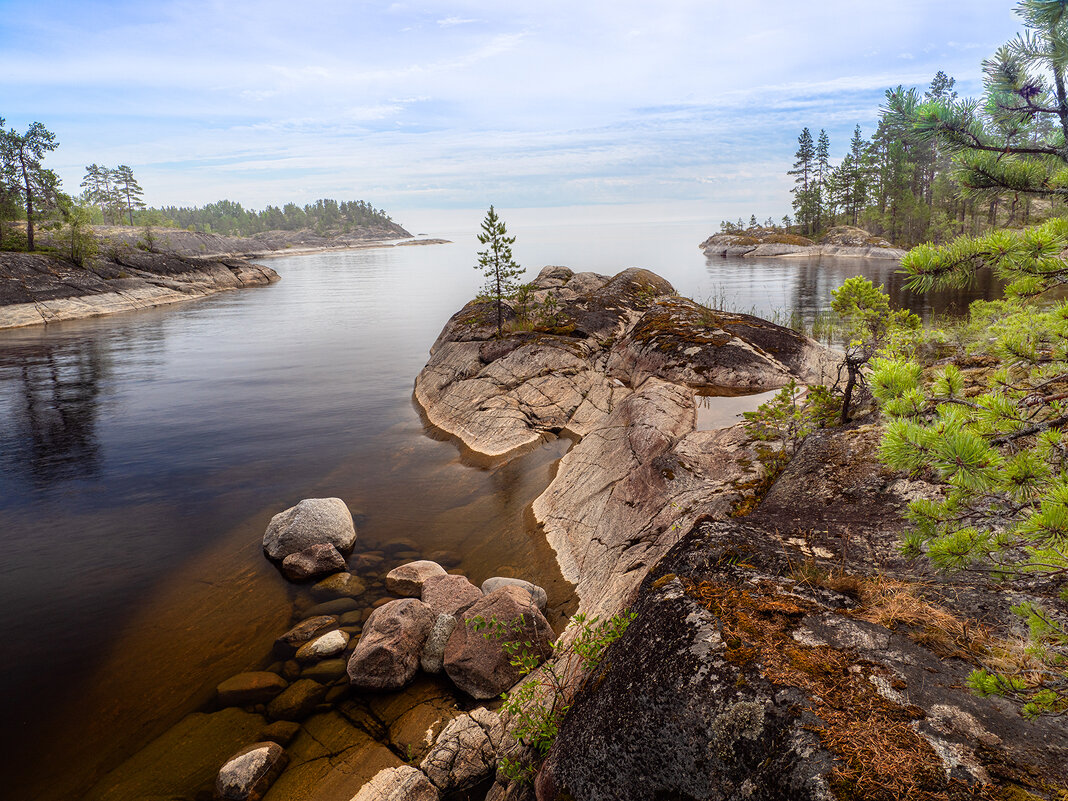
463 755
246 689
313 521
737 680
36 289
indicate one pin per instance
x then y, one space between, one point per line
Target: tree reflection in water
50 402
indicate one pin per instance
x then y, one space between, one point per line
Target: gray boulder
476 660
449 595
387 656
432 659
248 774
536 593
311 522
408 579
316 560
403 783
462 756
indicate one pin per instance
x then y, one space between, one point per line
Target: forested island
66 257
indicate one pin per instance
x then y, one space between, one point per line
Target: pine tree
1000 445
127 188
20 165
496 263
822 172
804 165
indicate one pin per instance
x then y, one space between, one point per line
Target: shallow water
141 456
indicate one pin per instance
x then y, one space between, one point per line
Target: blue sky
673 109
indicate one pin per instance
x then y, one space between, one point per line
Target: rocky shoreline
789 653
769 657
841 241
38 289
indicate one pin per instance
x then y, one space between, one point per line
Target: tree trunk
847 396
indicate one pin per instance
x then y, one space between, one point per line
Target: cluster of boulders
441 623
434 628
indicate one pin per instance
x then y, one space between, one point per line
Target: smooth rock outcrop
462 756
843 240
432 660
248 774
313 521
537 594
316 560
449 594
247 689
387 656
38 289
399 784
408 579
476 660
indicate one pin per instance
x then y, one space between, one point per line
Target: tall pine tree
803 191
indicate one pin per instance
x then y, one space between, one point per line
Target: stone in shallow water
449 595
315 560
297 701
246 689
536 593
310 522
306 630
387 656
281 732
249 773
324 647
339 585
338 606
408 579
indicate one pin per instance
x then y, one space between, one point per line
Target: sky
627 109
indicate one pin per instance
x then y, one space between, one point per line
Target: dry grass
903 605
879 756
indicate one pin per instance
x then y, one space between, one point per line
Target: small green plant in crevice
779 426
538 705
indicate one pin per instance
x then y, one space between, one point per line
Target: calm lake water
141 456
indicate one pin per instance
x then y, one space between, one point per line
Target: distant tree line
31 193
902 185
231 218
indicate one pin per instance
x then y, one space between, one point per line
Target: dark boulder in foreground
737 680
